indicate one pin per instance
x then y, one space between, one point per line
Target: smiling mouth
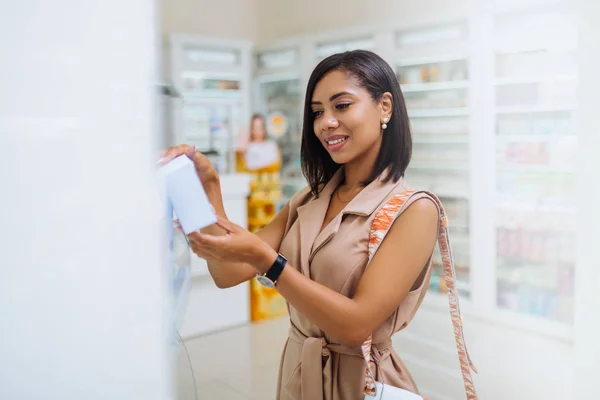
336 141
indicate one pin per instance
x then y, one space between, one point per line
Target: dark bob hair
377 77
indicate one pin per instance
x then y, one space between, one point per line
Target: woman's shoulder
404 196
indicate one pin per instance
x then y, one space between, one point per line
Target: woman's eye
317 114
342 106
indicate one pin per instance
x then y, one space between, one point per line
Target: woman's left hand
238 245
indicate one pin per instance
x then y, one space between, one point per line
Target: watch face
263 280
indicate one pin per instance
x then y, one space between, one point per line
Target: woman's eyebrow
333 97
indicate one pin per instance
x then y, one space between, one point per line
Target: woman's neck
359 170
354 175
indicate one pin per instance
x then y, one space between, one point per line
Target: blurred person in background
356 146
256 152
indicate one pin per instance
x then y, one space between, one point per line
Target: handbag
381 225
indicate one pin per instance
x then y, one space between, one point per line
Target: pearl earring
384 125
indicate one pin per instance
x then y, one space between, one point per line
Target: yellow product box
265 303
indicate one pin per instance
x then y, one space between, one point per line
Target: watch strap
277 268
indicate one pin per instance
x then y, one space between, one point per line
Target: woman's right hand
225 274
206 171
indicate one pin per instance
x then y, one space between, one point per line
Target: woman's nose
329 123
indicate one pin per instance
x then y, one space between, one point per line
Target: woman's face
257 133
346 119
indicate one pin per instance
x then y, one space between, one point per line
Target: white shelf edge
519 282
276 76
410 61
538 169
439 139
210 94
534 109
534 79
194 73
528 138
196 99
525 207
526 47
431 86
438 112
434 167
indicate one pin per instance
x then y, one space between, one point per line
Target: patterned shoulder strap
379 229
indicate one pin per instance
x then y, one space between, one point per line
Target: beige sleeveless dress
312 366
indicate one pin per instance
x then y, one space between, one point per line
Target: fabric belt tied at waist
311 380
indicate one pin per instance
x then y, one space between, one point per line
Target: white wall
281 18
267 20
82 278
232 19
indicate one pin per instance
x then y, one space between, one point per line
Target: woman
259 153
356 146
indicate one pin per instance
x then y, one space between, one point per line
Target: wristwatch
269 278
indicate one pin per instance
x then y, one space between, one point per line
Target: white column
587 300
82 281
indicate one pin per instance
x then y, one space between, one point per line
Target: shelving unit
432 69
535 90
213 80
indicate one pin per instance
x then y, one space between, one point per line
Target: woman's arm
386 282
228 274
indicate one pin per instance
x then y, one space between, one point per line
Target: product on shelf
439 128
451 183
536 154
436 99
210 128
551 93
535 64
265 196
437 154
535 262
543 124
535 185
434 72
